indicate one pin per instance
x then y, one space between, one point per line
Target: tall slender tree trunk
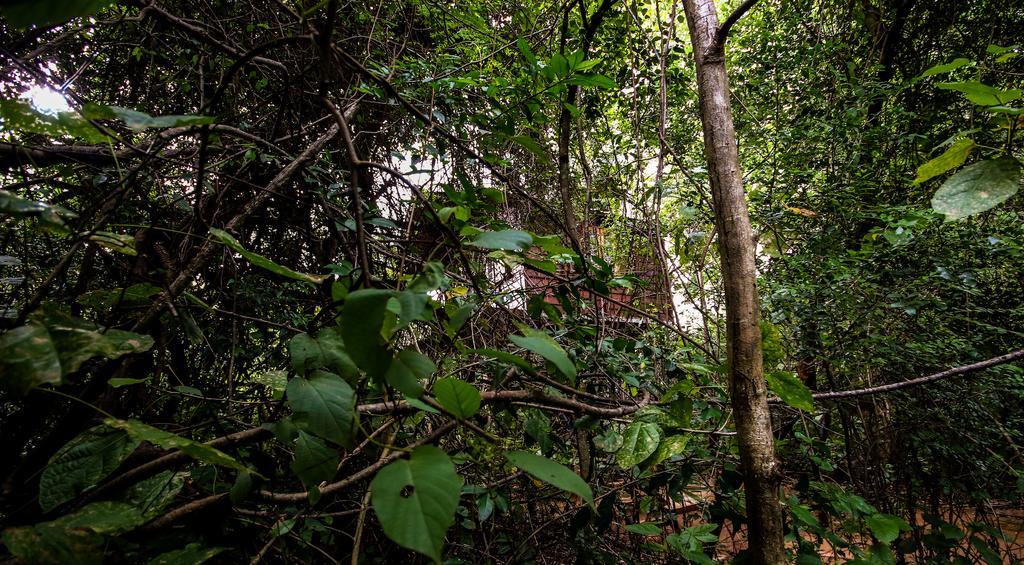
736 243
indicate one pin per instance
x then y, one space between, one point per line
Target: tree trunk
736 243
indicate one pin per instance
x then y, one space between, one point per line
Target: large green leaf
50 217
886 527
327 350
949 160
978 188
314 461
49 544
325 405
20 116
542 344
261 261
151 496
139 121
552 473
639 441
25 13
415 500
459 398
82 463
407 369
362 318
791 390
28 359
982 94
104 517
946 67
168 440
668 447
509 240
191 554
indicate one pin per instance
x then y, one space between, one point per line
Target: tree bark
747 386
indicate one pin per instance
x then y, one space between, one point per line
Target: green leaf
121 243
105 517
50 217
886 527
509 240
167 440
25 13
28 359
362 318
791 390
191 554
151 496
668 447
406 370
599 81
639 441
553 473
325 405
327 350
48 544
275 380
459 398
140 121
542 344
20 116
531 145
82 463
982 94
950 159
415 500
118 382
977 188
946 67
645 529
261 261
314 462
528 55
505 357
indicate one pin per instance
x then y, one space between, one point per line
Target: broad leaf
325 405
50 217
645 529
978 188
20 116
261 261
886 527
668 447
509 240
531 145
314 461
25 13
552 473
28 359
415 500
946 67
105 517
791 390
327 350
362 318
542 344
82 463
407 369
140 121
599 81
170 441
49 544
122 243
949 160
151 496
459 398
982 94
639 441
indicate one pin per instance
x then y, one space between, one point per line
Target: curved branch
723 31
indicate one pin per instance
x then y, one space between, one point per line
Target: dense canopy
605 281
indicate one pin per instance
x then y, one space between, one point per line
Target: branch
964 370
723 30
